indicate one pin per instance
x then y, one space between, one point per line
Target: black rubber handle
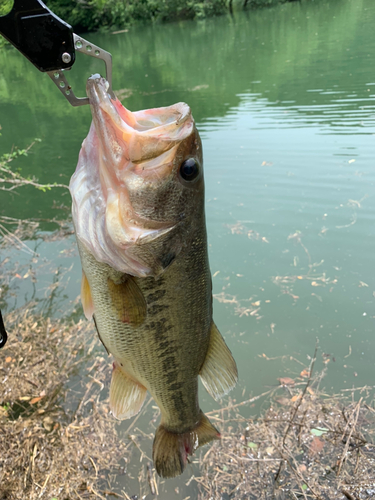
39 35
3 333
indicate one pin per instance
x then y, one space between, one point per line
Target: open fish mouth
142 135
124 164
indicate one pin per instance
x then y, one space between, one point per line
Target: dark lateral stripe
156 308
157 295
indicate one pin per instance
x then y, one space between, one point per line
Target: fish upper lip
100 100
96 84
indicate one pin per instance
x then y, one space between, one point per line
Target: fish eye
189 169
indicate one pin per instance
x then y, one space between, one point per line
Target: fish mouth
142 135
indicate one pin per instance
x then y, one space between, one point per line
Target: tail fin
170 450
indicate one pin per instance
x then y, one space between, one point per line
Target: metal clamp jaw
49 43
3 333
58 76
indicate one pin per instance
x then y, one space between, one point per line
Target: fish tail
170 450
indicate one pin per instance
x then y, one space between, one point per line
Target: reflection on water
284 100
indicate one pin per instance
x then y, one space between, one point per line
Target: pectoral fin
86 298
219 371
126 396
128 301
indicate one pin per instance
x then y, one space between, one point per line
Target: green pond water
284 100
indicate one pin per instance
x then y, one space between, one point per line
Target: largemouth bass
138 212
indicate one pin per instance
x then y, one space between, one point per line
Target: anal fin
86 298
126 396
219 371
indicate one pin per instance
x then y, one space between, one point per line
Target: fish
139 218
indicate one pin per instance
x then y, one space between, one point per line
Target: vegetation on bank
93 15
12 178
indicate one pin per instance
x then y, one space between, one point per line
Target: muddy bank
58 439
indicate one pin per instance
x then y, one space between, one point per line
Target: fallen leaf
3 412
8 359
305 373
302 468
310 391
18 276
295 398
257 303
319 431
252 445
25 398
286 381
314 283
48 424
316 445
35 400
283 401
269 450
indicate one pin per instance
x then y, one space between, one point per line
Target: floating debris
305 445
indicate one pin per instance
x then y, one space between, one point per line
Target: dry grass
53 441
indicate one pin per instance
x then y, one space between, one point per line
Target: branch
13 180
